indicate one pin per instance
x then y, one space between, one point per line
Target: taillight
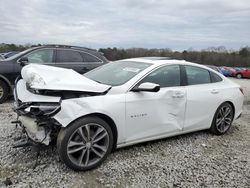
242 91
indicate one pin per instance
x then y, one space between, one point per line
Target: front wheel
223 119
85 144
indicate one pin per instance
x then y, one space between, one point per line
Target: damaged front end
35 116
39 94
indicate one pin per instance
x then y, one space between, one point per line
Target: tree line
211 56
218 56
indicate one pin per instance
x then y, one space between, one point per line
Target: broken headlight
43 109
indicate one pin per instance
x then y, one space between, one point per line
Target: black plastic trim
183 75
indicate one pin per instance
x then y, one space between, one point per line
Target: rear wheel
223 119
239 76
85 144
4 90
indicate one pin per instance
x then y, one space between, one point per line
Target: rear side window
196 75
168 76
68 56
215 77
90 58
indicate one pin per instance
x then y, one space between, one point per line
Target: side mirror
147 86
23 61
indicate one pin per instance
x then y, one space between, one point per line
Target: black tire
72 134
223 119
239 76
4 91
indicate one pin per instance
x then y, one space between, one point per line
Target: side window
90 58
68 56
40 56
196 75
168 76
215 77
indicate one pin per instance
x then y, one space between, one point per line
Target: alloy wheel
88 145
224 119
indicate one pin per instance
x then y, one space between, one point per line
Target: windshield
116 73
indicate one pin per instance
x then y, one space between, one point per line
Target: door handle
214 91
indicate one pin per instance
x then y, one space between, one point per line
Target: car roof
154 58
164 61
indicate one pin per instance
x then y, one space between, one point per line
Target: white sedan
121 103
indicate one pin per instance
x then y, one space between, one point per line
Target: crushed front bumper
35 119
35 132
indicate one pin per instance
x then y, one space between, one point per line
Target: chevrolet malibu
120 104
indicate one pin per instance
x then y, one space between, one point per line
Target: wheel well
109 121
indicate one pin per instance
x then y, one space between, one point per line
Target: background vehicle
227 71
9 54
242 73
120 104
231 70
76 58
214 68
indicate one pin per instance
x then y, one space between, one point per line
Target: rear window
215 77
90 58
197 75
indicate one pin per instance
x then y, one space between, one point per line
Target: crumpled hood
54 78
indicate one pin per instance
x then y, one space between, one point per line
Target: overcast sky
178 24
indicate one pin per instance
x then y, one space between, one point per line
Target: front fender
112 106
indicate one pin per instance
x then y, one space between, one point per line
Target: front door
155 114
44 56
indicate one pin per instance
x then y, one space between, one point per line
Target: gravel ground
193 160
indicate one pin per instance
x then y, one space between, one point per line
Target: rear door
155 114
71 59
77 60
204 95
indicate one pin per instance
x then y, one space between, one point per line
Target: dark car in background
77 58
